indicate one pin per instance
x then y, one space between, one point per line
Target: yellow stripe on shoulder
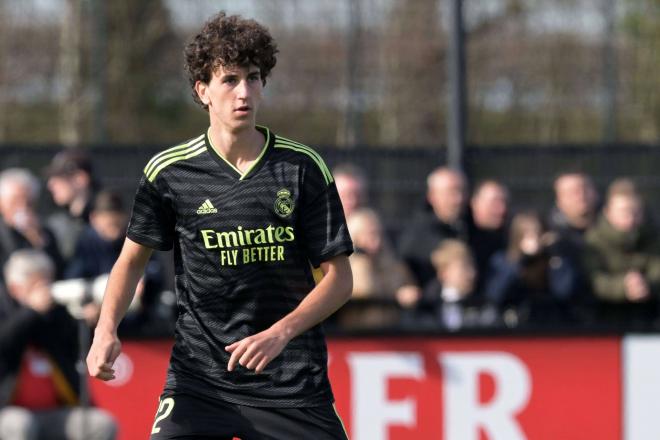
281 142
163 155
193 151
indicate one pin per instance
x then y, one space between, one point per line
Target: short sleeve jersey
244 245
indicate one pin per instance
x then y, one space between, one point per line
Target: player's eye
230 80
256 76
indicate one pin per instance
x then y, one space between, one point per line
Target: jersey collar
230 168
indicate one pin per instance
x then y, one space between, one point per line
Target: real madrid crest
283 203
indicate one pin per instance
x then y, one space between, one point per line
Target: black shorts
183 416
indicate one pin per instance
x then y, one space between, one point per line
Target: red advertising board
432 388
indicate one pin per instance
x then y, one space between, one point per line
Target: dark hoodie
422 235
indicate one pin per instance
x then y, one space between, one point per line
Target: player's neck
238 147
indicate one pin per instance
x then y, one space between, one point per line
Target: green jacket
610 254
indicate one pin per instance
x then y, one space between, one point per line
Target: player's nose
243 89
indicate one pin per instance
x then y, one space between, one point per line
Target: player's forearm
327 297
118 296
121 286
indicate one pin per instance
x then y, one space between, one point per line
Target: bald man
446 196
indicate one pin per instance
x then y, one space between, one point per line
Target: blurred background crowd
467 256
467 259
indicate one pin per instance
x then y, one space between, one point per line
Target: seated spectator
352 186
20 226
623 258
449 301
39 383
446 197
530 282
489 206
99 246
72 186
381 282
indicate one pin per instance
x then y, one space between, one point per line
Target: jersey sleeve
152 220
322 219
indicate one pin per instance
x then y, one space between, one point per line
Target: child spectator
448 301
530 282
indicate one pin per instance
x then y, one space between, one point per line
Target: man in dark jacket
575 211
488 232
445 218
20 226
39 384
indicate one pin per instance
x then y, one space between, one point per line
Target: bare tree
70 74
413 61
143 57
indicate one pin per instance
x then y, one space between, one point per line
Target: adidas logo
207 208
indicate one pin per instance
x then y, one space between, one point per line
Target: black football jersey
244 247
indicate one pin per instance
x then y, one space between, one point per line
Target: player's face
233 96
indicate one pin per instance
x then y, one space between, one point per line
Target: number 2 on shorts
164 409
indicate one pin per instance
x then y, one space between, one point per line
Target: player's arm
119 292
256 351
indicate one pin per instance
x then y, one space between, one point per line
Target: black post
351 134
456 111
609 74
97 78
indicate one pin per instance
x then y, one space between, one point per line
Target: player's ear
202 91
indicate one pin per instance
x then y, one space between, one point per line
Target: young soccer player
248 214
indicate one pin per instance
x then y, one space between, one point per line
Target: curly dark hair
229 41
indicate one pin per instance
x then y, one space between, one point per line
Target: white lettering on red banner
464 414
373 412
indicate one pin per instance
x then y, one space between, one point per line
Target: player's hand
102 355
255 352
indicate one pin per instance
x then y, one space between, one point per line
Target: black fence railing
397 177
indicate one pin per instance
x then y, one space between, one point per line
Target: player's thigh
313 423
181 416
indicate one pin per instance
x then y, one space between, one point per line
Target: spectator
39 383
489 207
623 258
446 196
20 227
98 248
352 186
575 207
530 282
574 212
449 300
377 275
100 242
72 187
